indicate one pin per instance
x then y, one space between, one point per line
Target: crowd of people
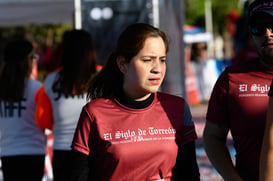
113 123
104 121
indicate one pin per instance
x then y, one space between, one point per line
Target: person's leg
29 168
8 168
61 165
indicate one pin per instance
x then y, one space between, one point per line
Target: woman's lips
155 81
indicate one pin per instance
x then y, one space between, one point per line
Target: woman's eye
146 60
163 60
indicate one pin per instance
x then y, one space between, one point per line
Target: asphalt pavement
207 171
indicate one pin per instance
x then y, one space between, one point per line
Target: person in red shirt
238 103
130 131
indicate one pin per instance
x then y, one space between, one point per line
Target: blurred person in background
22 142
63 95
239 103
204 70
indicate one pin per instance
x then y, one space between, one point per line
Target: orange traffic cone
192 94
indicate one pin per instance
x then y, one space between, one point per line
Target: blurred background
187 22
205 37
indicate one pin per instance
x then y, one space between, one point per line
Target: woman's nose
157 66
269 32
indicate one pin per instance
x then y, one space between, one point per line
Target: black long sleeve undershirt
81 166
186 167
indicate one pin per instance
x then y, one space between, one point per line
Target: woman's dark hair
15 67
78 61
110 79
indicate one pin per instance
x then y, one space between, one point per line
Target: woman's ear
121 62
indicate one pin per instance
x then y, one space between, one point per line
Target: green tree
51 33
195 12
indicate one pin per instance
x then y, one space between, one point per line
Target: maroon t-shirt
134 144
240 100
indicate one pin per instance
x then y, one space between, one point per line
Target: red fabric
133 144
43 114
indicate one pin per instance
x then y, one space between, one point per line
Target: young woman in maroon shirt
130 131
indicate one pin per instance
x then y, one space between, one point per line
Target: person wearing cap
238 103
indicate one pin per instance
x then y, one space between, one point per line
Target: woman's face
144 74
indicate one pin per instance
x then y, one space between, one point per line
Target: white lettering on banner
140 135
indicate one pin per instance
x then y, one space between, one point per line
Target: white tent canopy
22 12
198 37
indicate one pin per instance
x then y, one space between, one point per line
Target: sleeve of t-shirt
43 112
270 93
217 106
189 133
81 140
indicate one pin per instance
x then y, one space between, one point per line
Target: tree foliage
195 12
50 34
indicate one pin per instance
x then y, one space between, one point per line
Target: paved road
208 173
